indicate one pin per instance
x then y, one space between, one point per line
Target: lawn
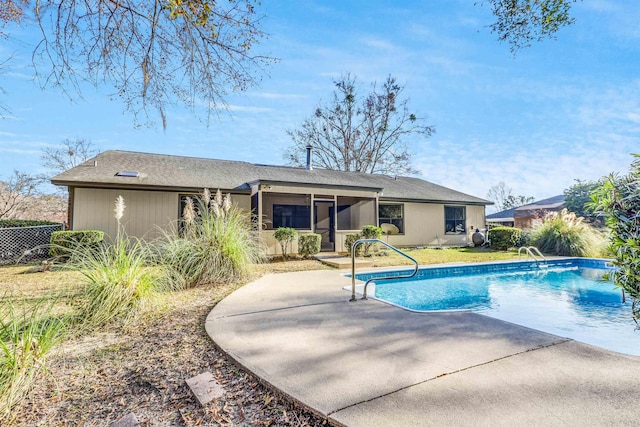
440 256
97 377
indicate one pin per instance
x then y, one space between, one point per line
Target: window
454 219
294 216
391 214
286 210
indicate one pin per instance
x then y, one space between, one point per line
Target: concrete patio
367 363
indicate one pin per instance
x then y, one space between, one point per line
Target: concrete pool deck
367 363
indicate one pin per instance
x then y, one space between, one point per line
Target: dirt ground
98 378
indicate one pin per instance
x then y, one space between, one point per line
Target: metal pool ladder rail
532 252
353 267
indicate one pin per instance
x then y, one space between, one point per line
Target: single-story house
526 217
330 203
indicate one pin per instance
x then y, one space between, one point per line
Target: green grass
26 338
441 256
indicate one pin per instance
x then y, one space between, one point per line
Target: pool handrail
353 267
532 252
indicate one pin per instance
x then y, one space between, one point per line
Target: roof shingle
178 173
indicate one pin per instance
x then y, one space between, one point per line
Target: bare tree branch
70 153
16 193
153 53
360 134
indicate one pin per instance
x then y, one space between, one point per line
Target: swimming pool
566 297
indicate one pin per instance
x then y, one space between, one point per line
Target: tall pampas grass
119 282
565 234
219 246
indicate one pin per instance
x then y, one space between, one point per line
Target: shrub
309 244
370 232
503 238
63 242
285 235
216 244
349 240
10 223
618 199
565 234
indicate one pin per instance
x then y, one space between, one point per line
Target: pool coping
309 344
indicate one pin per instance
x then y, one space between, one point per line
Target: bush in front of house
349 240
62 243
370 232
309 244
503 238
285 236
215 244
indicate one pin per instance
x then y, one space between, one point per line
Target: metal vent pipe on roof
309 157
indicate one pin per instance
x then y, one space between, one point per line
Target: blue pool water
568 299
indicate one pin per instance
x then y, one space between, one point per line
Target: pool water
569 302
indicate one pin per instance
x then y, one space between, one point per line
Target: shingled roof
178 173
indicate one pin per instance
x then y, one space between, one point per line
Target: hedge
62 242
309 244
11 223
503 238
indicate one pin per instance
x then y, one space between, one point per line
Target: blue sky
557 111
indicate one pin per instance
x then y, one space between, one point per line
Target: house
330 203
526 217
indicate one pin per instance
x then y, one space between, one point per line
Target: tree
521 22
504 199
578 196
618 199
153 53
69 154
17 193
360 134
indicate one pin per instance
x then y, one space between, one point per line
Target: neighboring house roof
530 210
178 173
526 211
506 215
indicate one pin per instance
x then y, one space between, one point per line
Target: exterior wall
93 209
144 212
273 246
424 226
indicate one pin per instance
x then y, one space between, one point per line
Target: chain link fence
25 244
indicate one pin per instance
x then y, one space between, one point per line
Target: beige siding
243 201
94 209
273 246
424 226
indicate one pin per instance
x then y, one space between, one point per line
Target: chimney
309 157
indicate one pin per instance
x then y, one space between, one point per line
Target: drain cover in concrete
205 388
